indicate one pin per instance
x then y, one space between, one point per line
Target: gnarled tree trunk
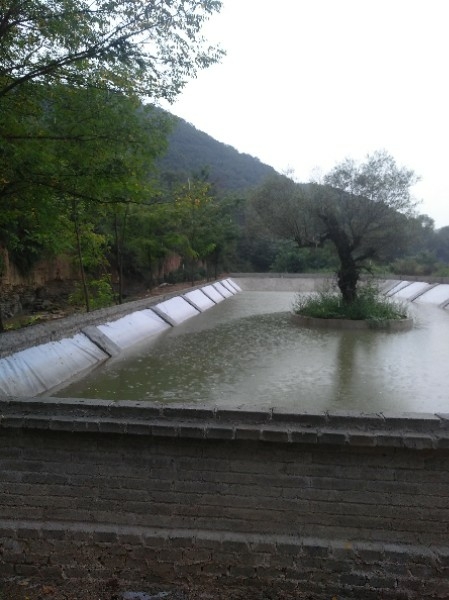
347 278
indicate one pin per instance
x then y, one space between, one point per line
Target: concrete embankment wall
420 289
38 359
242 504
282 282
411 289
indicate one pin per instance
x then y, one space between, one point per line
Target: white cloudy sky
306 83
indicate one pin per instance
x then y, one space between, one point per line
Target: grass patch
22 321
370 305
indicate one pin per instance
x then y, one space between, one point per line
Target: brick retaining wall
242 503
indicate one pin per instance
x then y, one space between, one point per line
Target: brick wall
246 504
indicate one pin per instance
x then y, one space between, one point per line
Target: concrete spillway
42 367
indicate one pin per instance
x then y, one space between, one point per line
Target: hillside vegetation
191 151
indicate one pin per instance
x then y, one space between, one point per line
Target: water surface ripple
247 351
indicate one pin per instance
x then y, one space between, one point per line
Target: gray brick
353 579
247 433
422 422
273 435
134 410
191 431
105 536
188 412
304 437
392 441
332 437
354 420
33 422
303 419
418 442
361 439
219 433
164 430
138 428
112 426
243 416
91 425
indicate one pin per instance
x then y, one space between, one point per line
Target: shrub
369 305
101 293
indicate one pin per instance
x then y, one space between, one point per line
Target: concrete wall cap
412 430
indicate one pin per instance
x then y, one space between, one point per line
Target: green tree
108 166
152 237
50 50
362 209
86 147
442 244
151 48
195 212
225 232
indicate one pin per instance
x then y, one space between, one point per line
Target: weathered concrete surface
51 356
282 282
243 504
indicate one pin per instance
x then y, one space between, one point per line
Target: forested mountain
191 150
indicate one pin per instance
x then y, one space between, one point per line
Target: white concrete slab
177 309
397 288
437 295
40 368
213 293
387 286
410 291
199 299
222 289
228 286
133 328
233 284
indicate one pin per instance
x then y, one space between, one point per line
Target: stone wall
244 504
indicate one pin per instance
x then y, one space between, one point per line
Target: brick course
307 506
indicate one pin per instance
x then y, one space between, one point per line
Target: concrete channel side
423 289
248 504
35 360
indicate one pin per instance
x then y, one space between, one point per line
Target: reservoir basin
247 351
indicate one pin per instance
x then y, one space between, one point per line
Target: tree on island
361 209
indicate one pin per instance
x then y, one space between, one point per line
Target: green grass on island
369 305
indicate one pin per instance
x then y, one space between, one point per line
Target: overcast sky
306 83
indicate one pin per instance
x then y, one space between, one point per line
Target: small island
369 310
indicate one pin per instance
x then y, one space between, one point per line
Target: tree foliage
151 48
72 130
229 170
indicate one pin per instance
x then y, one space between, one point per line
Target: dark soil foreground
25 589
